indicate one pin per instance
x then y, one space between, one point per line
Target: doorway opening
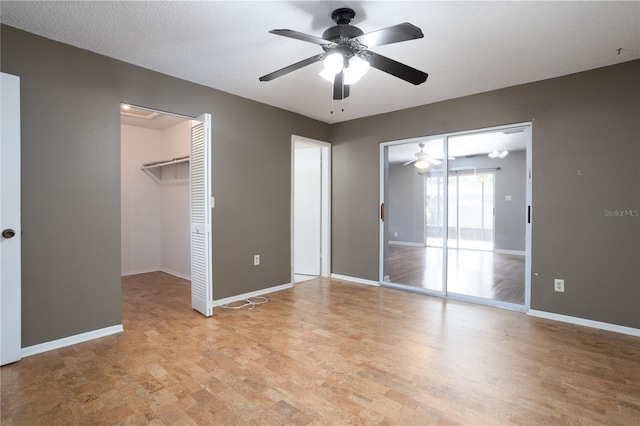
310 208
165 200
456 215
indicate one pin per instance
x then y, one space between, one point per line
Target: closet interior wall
155 214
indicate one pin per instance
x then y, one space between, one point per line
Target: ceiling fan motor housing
337 32
342 34
343 16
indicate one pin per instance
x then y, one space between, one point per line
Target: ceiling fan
422 159
346 52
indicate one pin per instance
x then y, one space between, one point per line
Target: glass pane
414 209
476 211
452 241
482 205
435 212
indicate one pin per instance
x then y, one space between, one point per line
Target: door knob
8 233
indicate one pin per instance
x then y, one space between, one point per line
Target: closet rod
165 163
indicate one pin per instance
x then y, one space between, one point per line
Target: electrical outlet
256 259
558 285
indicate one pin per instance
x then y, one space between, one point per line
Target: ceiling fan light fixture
498 154
422 165
357 68
327 75
334 63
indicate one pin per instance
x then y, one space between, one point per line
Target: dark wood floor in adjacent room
478 273
327 353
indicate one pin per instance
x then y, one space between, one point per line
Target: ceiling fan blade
340 90
432 160
396 69
394 34
302 36
409 162
293 67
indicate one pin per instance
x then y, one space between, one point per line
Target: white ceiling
469 47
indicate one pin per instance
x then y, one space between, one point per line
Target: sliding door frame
383 238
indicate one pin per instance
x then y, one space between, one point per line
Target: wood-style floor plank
327 353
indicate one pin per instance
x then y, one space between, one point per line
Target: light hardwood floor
327 352
477 273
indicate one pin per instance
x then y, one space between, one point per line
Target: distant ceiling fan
346 52
423 160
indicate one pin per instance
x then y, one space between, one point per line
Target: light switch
508 198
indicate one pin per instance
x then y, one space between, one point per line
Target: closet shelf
155 170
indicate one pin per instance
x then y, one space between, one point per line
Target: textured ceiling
469 47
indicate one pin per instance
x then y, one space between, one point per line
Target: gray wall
405 208
70 104
586 159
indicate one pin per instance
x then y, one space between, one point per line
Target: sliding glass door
413 256
455 215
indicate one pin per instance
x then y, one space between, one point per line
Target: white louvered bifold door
201 280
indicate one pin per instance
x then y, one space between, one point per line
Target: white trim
405 243
513 252
585 322
256 293
157 111
528 128
71 340
141 271
165 270
355 280
176 274
383 238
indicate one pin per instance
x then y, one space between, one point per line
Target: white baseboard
355 280
586 322
256 293
176 274
405 243
71 340
140 271
513 252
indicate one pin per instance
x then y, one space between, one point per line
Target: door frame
208 201
325 203
528 129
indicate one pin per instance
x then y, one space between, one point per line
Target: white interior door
10 274
201 204
307 209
